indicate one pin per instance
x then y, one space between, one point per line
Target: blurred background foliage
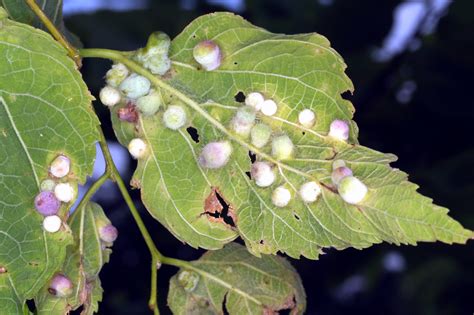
413 98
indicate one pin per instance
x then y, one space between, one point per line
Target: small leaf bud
208 55
108 233
281 196
137 148
175 117
260 135
338 163
307 118
149 104
254 100
188 280
263 174
352 190
339 130
339 173
310 191
60 166
109 96
52 223
47 185
269 108
215 154
60 286
64 192
282 147
135 86
116 74
46 203
243 121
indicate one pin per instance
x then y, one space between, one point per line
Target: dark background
417 104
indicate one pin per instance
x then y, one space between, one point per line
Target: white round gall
254 100
135 86
215 154
208 55
60 166
307 118
137 148
116 74
339 129
260 135
64 192
352 190
269 108
310 191
109 96
282 147
263 174
52 223
281 196
175 117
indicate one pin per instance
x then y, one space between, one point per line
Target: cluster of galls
54 192
215 155
135 90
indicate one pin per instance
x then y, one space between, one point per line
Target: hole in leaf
249 175
78 311
252 156
240 97
296 216
224 306
262 242
31 305
303 133
346 95
236 63
217 209
193 133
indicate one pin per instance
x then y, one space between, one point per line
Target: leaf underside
298 72
45 110
244 283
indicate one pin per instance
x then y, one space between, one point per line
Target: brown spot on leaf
135 183
169 74
288 304
128 113
218 209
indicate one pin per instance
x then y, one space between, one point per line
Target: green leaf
244 283
298 72
21 12
82 266
45 109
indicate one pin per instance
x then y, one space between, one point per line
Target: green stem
94 187
72 52
115 176
152 303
